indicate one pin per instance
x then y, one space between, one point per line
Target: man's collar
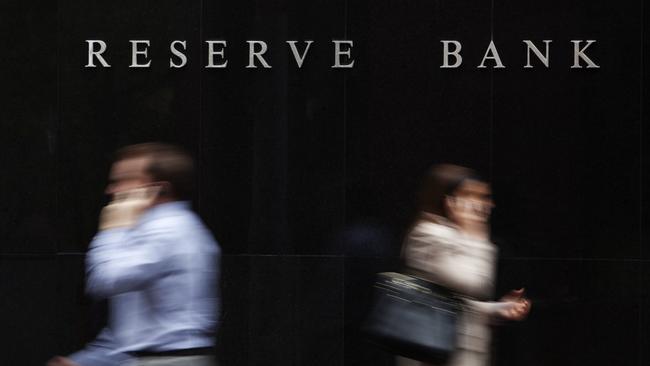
163 209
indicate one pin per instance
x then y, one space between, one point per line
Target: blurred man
155 261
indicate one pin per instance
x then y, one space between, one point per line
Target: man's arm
123 260
99 352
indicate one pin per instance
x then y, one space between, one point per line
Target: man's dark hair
167 163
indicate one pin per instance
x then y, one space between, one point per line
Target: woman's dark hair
442 180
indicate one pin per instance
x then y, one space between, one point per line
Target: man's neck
161 200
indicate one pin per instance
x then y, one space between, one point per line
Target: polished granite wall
307 175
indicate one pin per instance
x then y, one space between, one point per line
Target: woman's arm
513 306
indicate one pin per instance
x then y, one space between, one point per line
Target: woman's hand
514 306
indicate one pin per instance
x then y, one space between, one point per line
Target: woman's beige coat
435 250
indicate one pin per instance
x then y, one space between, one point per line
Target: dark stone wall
306 176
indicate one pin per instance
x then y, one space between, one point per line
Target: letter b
455 53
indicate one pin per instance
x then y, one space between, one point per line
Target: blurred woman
449 245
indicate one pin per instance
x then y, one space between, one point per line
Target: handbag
413 318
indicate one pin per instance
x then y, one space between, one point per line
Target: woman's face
471 203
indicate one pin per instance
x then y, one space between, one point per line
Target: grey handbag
414 318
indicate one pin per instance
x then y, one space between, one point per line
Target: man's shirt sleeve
100 352
123 260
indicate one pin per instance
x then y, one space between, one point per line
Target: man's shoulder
172 221
179 225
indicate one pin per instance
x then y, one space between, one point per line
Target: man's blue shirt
161 277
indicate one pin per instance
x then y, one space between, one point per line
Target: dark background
307 175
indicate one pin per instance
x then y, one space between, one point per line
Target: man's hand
126 208
515 306
61 361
